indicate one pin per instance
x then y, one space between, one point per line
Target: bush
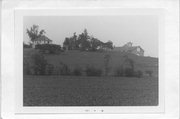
56 70
63 48
26 68
64 69
49 48
119 71
92 71
77 71
49 69
107 58
149 72
39 64
128 72
138 74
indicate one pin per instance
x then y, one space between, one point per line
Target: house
129 48
42 40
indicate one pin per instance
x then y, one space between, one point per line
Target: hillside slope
82 59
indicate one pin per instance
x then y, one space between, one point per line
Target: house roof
43 38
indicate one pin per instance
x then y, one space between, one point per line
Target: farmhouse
42 40
137 50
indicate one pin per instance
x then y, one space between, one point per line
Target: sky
141 30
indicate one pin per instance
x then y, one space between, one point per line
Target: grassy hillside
78 58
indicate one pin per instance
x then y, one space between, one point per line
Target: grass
82 59
89 91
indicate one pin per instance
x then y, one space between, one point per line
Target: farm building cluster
128 47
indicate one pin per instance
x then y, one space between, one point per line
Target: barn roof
127 48
134 48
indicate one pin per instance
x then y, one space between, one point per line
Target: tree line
84 42
36 64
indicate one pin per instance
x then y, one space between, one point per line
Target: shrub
138 74
77 71
107 58
49 69
63 48
49 48
64 69
149 72
119 71
92 71
39 64
56 70
26 68
129 72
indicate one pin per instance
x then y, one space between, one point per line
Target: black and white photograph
91 60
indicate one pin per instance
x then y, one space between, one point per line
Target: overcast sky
141 30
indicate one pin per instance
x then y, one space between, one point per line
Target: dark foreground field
89 91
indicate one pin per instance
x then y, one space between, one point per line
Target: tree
71 43
39 64
130 61
109 44
83 41
41 33
107 58
94 42
66 43
34 33
75 41
128 66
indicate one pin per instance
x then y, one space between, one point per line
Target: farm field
89 91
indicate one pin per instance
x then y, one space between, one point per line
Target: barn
129 48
